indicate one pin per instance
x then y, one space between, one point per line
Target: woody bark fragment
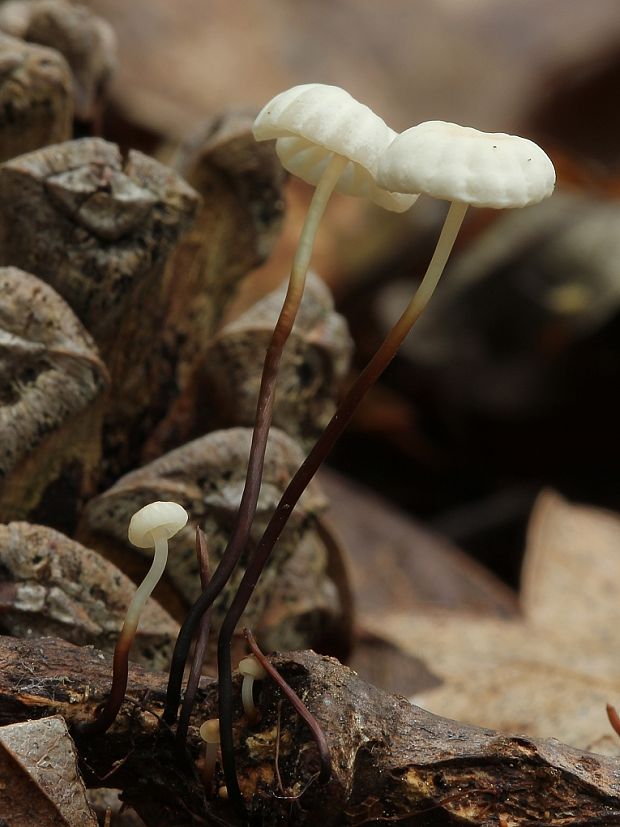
297 599
99 228
36 97
87 42
51 403
314 364
391 761
235 229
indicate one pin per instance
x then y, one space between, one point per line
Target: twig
298 705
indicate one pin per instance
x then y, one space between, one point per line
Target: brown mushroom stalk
264 412
201 643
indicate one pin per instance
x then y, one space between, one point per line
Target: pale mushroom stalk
298 705
305 245
260 434
422 296
151 526
252 671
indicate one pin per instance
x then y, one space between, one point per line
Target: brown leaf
551 672
39 776
53 586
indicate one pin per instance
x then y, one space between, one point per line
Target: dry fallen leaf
550 672
39 777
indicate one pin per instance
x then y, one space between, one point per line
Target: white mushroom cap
250 666
210 731
313 121
163 516
459 163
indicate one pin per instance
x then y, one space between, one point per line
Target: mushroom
333 141
251 670
314 123
210 734
464 166
151 526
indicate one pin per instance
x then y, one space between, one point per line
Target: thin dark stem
304 475
298 705
202 554
264 411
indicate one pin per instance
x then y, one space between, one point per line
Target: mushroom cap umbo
251 667
313 121
458 163
210 731
168 517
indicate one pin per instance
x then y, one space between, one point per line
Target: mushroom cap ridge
167 516
313 121
459 163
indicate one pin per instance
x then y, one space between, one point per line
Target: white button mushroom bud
210 734
251 670
463 166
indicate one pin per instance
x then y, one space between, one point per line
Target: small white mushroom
251 670
463 166
313 123
151 526
210 734
330 140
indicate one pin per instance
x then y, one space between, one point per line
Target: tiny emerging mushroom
251 670
150 527
210 734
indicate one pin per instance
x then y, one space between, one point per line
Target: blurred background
510 382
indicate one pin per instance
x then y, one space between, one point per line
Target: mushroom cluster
443 160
